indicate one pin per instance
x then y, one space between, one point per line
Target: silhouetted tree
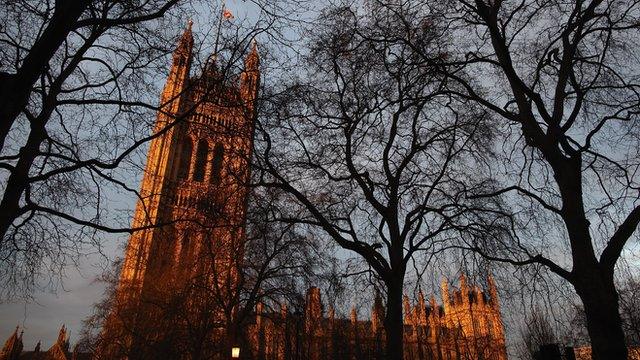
202 313
560 79
367 141
74 76
78 99
535 331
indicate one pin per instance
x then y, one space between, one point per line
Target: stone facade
466 326
584 353
13 349
191 209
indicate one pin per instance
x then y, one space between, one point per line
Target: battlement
462 327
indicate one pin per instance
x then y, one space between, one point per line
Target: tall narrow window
185 159
216 164
184 247
201 160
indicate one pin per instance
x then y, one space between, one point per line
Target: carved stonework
191 212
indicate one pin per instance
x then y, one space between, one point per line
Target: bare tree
535 332
64 65
561 80
203 314
78 100
629 291
371 146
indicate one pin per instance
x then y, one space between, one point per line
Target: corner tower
189 221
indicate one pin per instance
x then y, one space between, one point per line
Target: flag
227 14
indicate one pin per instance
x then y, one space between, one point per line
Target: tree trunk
593 282
393 322
600 300
15 89
18 180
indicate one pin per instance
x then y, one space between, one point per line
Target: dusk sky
42 318
530 254
71 301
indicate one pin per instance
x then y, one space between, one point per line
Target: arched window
201 160
216 164
185 159
184 247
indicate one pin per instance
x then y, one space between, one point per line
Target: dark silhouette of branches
78 103
560 79
204 312
372 146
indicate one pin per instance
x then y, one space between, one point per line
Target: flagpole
215 46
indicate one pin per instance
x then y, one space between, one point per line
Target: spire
464 289
185 45
354 316
477 294
179 73
446 300
182 53
493 292
63 338
62 334
12 347
422 308
433 304
250 77
377 313
259 312
313 308
252 61
421 301
37 349
407 306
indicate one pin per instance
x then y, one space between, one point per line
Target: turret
433 303
434 318
477 295
446 300
63 339
422 308
12 347
354 316
493 293
259 311
332 319
407 308
496 320
313 307
464 290
377 313
179 73
250 77
157 170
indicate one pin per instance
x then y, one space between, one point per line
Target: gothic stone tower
190 213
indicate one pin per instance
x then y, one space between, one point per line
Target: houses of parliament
179 280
